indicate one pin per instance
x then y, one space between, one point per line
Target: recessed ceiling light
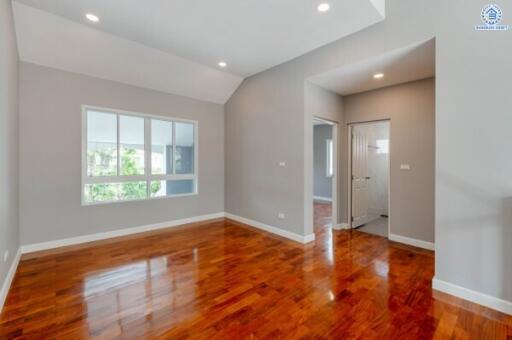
378 75
222 64
92 17
324 7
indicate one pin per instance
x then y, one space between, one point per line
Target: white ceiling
50 40
250 35
399 66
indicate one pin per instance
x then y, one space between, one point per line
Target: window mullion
172 177
173 148
147 155
118 153
114 179
118 146
196 156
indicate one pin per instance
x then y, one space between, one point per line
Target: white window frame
147 176
329 158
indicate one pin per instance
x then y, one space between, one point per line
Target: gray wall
474 156
411 110
325 104
322 185
262 129
266 121
50 151
9 240
261 132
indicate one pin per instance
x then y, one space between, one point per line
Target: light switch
405 167
282 164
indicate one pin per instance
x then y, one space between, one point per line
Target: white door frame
335 161
349 177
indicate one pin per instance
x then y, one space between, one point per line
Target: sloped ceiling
49 40
174 46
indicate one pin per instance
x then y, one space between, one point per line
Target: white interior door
360 179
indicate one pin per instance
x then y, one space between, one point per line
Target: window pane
101 144
131 145
111 192
329 158
161 147
184 148
101 192
168 188
383 146
133 190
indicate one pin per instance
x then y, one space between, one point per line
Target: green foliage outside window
102 161
115 191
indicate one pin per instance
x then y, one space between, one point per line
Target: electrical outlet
6 255
281 216
282 164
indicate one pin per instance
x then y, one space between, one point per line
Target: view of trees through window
126 176
105 192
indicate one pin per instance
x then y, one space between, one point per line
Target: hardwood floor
322 213
224 280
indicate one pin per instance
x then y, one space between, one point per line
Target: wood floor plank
224 280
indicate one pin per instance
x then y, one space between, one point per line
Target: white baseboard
412 241
308 238
322 199
29 248
341 226
274 230
473 296
8 279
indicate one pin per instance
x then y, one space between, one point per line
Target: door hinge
352 218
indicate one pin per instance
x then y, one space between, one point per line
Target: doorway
325 174
369 177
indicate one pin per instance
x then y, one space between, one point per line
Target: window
329 158
382 146
129 156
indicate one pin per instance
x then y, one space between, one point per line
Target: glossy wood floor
223 280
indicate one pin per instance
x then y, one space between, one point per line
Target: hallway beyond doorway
378 226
